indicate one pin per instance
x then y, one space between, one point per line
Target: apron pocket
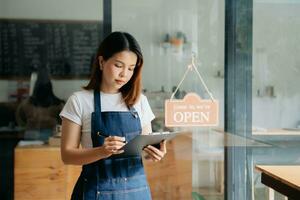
141 193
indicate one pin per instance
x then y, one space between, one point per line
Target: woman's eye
130 69
118 66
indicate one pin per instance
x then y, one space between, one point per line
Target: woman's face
117 70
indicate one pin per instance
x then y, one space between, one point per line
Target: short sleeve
72 110
147 114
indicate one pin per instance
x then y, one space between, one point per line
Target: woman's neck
108 91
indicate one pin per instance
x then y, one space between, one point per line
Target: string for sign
201 79
186 72
190 67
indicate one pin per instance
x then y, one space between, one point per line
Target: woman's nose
123 73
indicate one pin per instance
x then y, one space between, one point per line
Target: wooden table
282 178
39 173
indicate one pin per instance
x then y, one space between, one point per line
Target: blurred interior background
62 36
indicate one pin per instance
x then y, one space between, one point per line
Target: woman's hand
155 154
112 145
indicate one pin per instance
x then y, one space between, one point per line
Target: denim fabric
113 178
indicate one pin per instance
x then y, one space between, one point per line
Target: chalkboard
67 48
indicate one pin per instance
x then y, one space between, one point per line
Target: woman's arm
71 153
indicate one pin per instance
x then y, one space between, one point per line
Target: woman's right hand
112 145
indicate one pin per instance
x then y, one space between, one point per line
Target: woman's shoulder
144 110
83 92
142 101
144 98
82 95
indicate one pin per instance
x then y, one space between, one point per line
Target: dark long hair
114 43
43 95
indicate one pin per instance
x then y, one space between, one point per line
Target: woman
109 112
40 112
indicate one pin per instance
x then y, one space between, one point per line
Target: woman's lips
120 82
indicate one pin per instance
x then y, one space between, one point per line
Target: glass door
169 32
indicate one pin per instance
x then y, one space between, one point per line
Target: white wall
149 22
57 10
276 62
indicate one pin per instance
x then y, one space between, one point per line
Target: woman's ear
101 62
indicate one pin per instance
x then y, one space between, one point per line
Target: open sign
191 111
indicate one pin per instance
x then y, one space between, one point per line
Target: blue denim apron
113 178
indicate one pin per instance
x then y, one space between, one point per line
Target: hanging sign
191 111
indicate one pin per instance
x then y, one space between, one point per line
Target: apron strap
133 111
97 101
96 117
97 110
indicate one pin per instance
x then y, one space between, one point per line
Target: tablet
136 145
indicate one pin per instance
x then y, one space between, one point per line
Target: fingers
118 152
163 146
115 138
113 144
154 153
151 155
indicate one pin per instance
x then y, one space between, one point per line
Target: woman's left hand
155 154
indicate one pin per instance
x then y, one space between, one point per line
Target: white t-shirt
80 106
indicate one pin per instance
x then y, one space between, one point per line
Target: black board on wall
67 48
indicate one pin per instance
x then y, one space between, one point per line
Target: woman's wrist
103 153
